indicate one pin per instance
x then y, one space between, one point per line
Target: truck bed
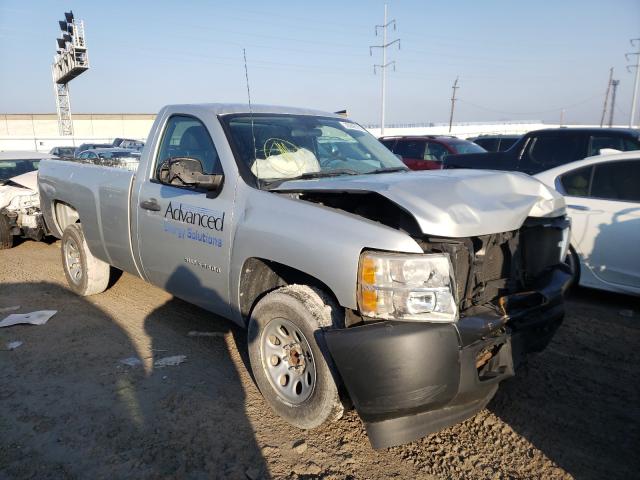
102 196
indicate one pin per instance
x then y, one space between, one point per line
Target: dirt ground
70 409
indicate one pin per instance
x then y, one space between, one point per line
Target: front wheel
289 359
573 261
86 275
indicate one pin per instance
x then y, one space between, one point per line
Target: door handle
582 208
151 204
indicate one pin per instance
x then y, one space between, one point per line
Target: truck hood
451 203
27 186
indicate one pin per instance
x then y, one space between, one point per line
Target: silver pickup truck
410 295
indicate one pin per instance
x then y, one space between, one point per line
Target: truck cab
410 295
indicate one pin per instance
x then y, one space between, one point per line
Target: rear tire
6 237
86 275
289 359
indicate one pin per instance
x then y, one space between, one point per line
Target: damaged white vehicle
19 199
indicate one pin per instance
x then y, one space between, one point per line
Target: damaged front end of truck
496 298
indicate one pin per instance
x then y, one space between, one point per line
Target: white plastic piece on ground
33 318
194 333
13 345
9 309
170 361
131 361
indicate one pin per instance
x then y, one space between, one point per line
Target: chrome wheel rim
72 260
287 361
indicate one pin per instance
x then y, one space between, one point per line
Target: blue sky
516 60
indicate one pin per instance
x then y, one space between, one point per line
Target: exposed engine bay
20 204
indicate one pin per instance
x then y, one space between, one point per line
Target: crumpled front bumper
410 379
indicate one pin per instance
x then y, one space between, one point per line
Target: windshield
13 168
467 147
280 147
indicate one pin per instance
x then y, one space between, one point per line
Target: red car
426 152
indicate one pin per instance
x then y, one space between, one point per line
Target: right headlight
413 287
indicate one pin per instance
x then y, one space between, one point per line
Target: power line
453 102
632 116
551 110
383 66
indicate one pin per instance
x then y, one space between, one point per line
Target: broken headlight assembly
411 287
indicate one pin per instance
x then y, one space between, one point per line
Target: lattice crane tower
71 60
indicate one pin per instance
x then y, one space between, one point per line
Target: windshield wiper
310 175
389 170
327 173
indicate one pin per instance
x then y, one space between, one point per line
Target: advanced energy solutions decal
203 223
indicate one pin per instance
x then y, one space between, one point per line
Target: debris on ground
626 313
13 345
194 333
299 446
131 361
9 309
33 318
170 361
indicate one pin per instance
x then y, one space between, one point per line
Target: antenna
253 133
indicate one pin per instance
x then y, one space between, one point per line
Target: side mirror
187 171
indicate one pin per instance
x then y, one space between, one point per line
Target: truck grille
488 267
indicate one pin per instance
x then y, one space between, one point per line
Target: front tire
289 359
573 261
86 275
6 237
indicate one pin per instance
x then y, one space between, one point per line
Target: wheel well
260 277
64 215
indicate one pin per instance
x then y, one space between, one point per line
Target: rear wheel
289 359
86 275
6 237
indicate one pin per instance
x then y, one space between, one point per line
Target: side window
617 181
598 142
506 144
410 149
186 136
435 151
550 151
388 144
576 182
489 144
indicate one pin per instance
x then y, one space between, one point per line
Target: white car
603 200
19 199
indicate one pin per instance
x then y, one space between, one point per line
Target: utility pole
383 66
606 97
614 84
562 117
453 102
632 116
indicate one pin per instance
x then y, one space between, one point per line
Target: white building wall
40 131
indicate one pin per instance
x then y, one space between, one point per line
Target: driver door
183 232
